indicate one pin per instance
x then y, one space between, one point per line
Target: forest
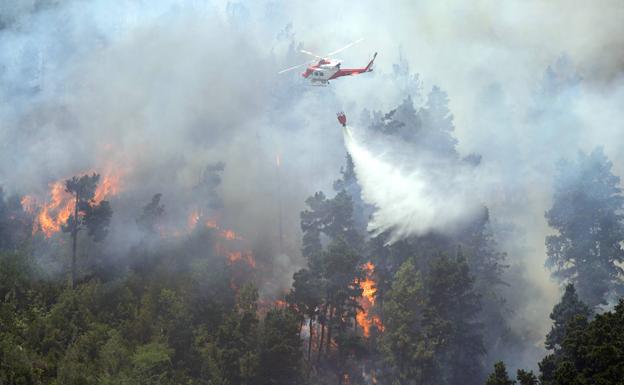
185 308
173 211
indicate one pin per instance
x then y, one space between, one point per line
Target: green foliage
591 352
280 353
405 346
152 364
499 376
526 377
232 354
142 328
565 311
432 334
451 320
87 213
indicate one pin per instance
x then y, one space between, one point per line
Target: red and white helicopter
323 69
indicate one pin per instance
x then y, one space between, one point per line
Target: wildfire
211 223
193 219
29 204
51 215
229 235
225 244
109 186
235 256
364 318
280 303
368 285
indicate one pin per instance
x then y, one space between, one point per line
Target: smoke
153 94
157 91
411 198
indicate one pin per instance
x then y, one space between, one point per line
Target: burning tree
88 213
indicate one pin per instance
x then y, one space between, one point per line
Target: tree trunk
323 320
74 235
309 339
329 328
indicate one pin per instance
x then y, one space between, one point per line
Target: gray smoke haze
157 90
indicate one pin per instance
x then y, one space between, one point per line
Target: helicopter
323 69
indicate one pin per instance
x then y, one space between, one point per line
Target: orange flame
193 219
364 318
109 186
235 256
368 285
229 235
54 213
225 248
280 303
211 223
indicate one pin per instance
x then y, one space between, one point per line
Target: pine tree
499 376
592 352
313 222
406 349
306 295
564 312
279 350
526 377
438 125
586 213
451 318
95 217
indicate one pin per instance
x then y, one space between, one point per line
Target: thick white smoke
411 198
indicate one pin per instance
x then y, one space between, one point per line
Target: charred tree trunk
74 235
329 328
309 339
322 321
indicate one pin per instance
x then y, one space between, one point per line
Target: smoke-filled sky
157 90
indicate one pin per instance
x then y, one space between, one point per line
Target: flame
54 213
211 223
364 318
225 245
29 204
229 235
280 303
368 285
193 219
109 186
244 256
